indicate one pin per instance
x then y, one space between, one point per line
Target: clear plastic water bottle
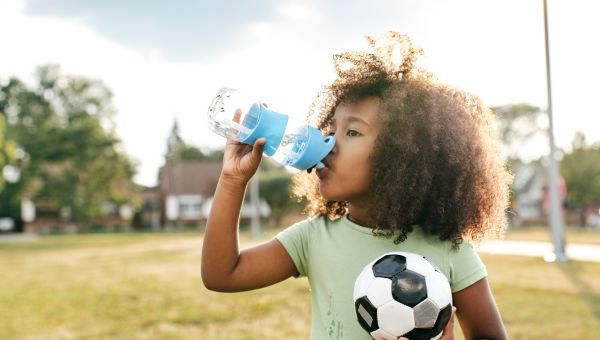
289 142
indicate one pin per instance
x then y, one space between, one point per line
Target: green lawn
134 286
538 233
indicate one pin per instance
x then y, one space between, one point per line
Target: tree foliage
73 158
7 150
517 124
275 187
192 153
581 170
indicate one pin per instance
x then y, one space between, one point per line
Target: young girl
415 168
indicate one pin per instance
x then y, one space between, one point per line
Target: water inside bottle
292 146
250 121
227 109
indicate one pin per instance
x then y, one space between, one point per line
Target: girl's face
347 176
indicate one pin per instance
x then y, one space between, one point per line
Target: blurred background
108 168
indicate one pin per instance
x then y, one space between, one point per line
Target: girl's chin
328 195
325 194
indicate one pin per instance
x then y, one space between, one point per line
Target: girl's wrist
233 181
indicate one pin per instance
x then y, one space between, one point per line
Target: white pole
556 218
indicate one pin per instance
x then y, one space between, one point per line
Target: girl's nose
335 146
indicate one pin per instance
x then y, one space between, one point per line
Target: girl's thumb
259 145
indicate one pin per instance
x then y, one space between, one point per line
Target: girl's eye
352 133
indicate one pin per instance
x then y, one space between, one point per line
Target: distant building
43 218
528 187
532 197
149 215
185 190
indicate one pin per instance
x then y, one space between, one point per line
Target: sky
165 60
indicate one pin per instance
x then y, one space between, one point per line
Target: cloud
179 29
192 30
166 59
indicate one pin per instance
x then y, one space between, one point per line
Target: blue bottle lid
272 126
317 149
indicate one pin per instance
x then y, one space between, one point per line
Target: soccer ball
402 294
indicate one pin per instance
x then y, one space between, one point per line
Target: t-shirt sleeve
466 267
295 240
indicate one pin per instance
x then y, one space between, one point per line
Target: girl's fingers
258 147
232 131
448 333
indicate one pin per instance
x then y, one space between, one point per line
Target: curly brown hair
437 146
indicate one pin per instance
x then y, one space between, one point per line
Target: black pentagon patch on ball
409 288
389 265
420 334
442 319
366 314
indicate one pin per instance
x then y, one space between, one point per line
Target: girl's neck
359 215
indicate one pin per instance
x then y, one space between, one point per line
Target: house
41 217
528 187
185 190
532 197
148 215
184 187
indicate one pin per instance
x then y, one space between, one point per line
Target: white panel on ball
363 282
418 264
438 293
381 334
395 318
380 291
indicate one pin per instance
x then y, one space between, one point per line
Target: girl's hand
448 333
241 161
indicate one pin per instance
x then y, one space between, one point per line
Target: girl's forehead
364 111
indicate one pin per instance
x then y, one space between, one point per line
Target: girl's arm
224 267
477 312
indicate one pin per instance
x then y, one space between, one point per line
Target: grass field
147 286
538 233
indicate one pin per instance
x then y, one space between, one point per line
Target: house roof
528 184
190 177
525 176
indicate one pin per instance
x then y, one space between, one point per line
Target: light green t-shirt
332 254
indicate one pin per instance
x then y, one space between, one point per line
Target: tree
275 187
192 153
22 110
7 151
581 171
64 125
179 150
517 124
